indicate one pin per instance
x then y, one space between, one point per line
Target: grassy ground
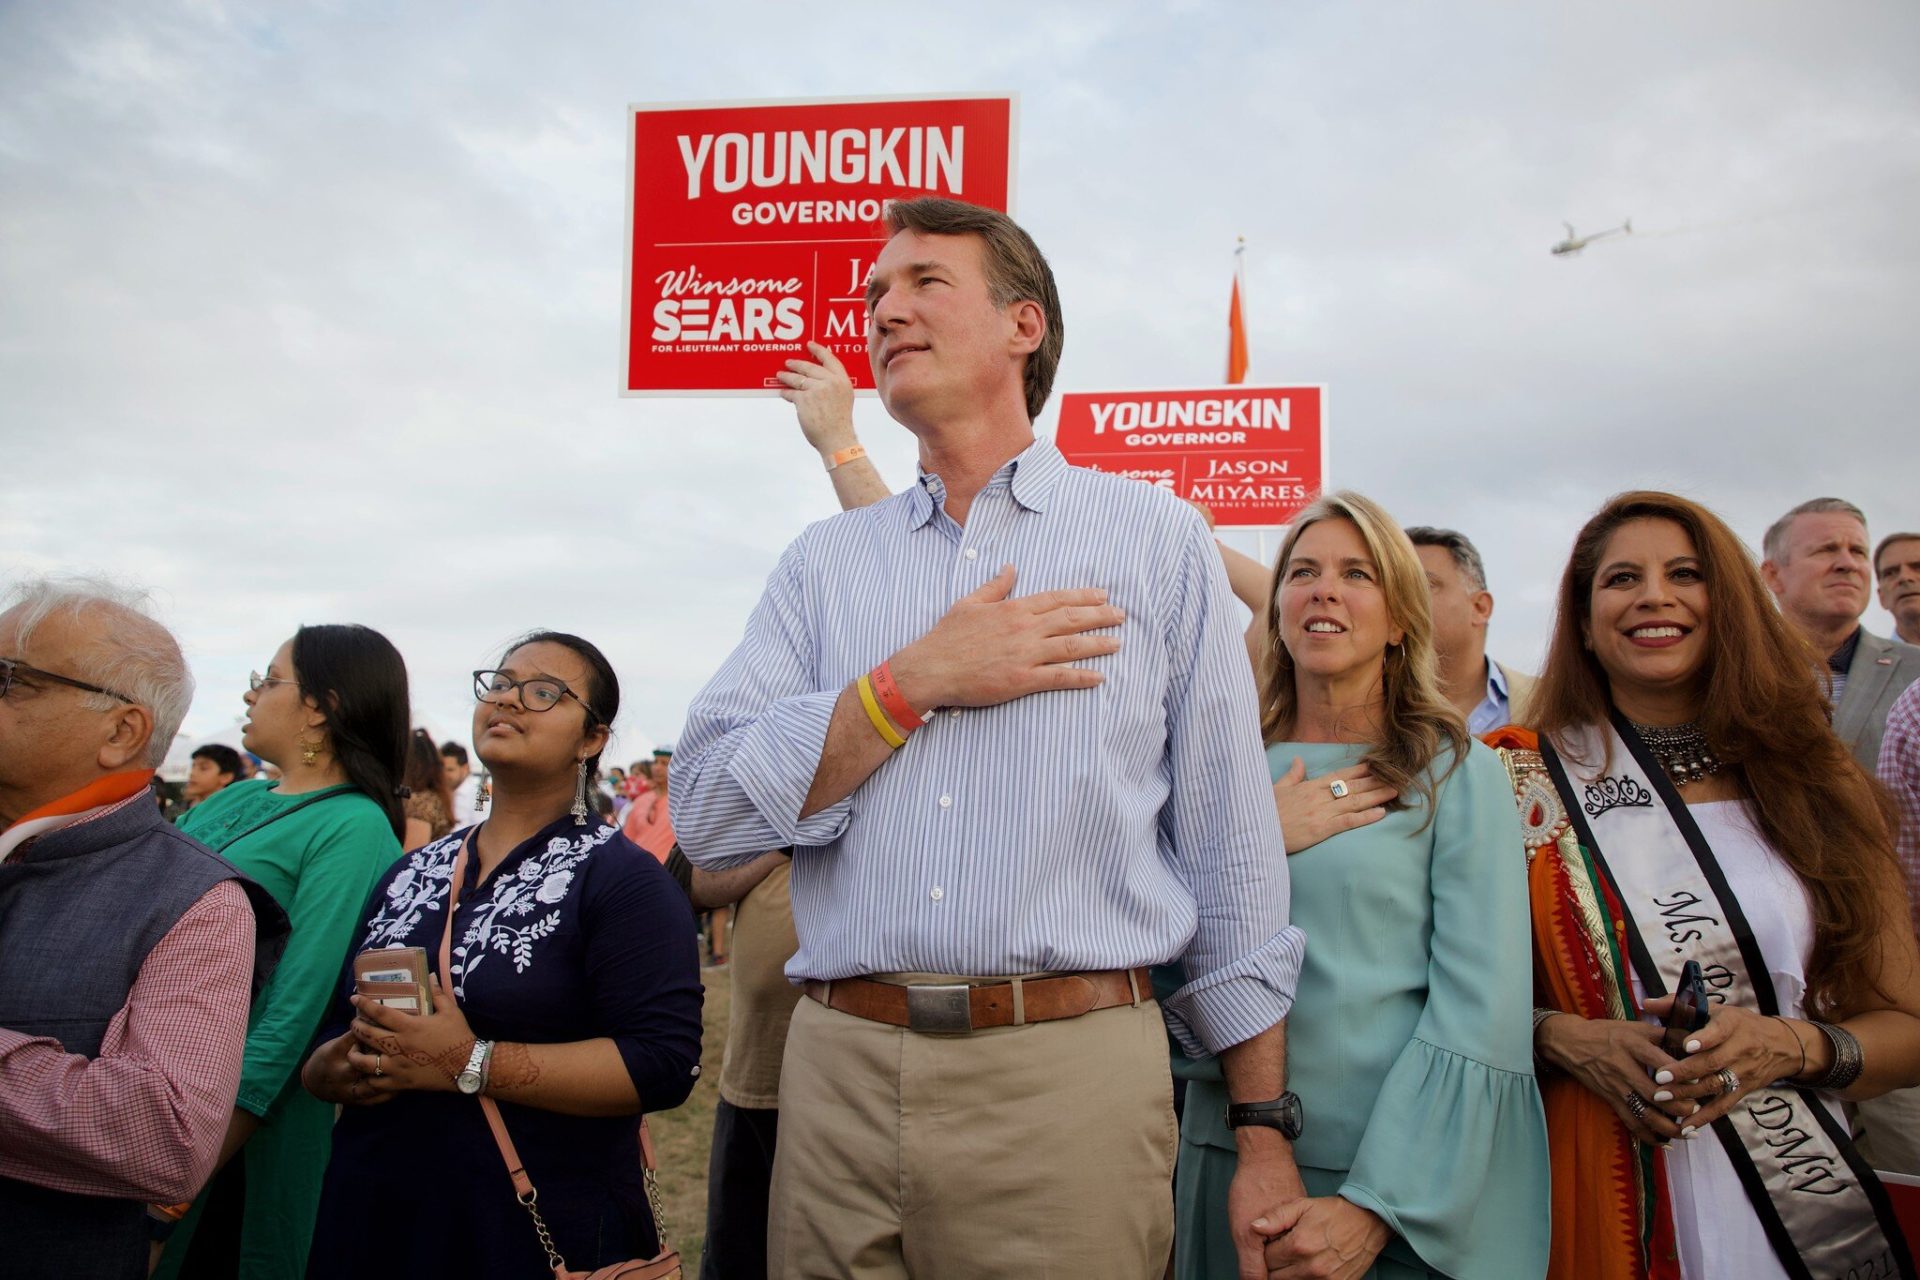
681 1137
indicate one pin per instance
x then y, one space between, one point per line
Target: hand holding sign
821 394
989 649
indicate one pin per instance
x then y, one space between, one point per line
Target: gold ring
1339 789
376 1064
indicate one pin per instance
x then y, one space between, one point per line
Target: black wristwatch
1283 1113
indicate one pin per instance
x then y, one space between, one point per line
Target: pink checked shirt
1900 771
145 1119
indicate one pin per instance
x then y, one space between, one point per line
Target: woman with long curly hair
1423 1148
1686 800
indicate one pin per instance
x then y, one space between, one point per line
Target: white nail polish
1687 1132
1663 1077
1663 1095
1695 1111
1693 1046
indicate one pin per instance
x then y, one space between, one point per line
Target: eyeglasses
10 669
257 682
537 693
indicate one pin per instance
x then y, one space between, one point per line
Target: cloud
313 314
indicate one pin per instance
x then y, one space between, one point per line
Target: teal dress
319 858
1410 1042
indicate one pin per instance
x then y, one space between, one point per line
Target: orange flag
1236 326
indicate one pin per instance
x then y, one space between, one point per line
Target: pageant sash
1825 1214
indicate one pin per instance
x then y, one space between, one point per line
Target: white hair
133 654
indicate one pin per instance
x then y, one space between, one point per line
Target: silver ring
1729 1082
1637 1105
376 1064
1339 789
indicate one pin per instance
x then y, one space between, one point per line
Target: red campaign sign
1255 455
752 226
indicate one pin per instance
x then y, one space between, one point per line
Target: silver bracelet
1541 1015
1848 1060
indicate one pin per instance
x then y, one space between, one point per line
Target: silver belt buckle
940 1009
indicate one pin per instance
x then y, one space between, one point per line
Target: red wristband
897 706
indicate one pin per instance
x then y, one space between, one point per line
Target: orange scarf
111 789
1610 1214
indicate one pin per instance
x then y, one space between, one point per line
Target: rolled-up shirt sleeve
754 737
1243 963
144 1120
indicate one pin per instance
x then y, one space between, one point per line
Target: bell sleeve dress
1410 1041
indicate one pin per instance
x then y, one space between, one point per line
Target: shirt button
696 1069
946 802
971 553
955 713
938 893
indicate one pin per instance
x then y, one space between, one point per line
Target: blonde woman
1423 1147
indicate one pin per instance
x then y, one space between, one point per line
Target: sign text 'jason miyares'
1254 455
754 226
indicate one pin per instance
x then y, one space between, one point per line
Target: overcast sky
311 313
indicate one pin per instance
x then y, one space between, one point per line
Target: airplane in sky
1575 242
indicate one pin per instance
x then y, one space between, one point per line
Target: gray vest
79 912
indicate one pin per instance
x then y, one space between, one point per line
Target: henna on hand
513 1068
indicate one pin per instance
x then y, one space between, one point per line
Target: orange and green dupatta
1610 1218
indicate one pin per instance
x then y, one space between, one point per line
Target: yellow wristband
881 724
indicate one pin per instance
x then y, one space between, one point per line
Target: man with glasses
129 950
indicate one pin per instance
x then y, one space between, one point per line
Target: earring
309 752
580 798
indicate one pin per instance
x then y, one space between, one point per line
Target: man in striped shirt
979 1083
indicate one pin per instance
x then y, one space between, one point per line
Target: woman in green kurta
331 713
1424 1148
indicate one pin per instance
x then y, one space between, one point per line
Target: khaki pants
1037 1151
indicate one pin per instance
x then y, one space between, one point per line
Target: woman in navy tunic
576 973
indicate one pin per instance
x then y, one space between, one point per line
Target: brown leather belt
958 1008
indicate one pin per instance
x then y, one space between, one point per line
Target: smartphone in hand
1689 1013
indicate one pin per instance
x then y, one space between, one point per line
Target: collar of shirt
89 802
1492 712
1840 659
1032 473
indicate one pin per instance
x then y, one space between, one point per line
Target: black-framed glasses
537 693
10 668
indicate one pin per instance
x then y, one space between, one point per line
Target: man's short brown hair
1888 541
1016 272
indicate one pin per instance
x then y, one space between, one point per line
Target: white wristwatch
473 1077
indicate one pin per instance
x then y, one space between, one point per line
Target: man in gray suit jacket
1818 566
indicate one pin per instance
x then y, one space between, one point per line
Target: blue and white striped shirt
1128 824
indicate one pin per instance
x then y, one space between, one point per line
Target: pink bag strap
516 1168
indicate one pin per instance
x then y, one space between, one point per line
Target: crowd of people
1076 925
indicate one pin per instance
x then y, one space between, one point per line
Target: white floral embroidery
543 878
421 887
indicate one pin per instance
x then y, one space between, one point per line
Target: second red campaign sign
753 226
1254 455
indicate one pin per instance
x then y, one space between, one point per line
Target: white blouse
1717 1231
